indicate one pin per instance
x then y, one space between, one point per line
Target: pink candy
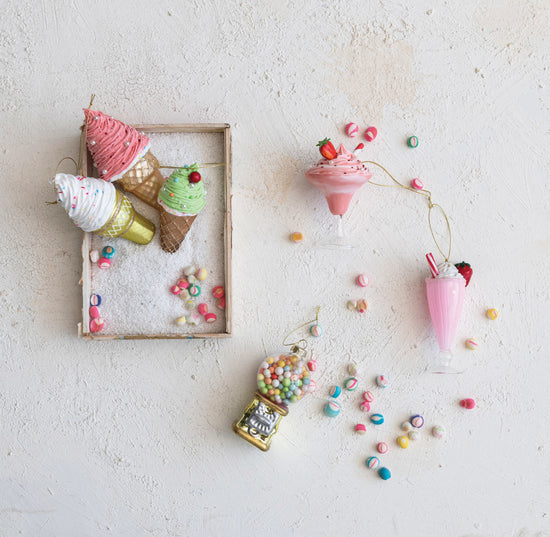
360 429
220 303
218 291
417 183
203 308
183 284
210 317
352 129
370 134
468 404
175 290
104 263
382 447
362 280
312 365
94 312
362 306
96 325
364 406
368 396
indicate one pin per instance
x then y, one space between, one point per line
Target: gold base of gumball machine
260 422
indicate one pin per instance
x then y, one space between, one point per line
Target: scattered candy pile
187 288
361 305
96 322
352 129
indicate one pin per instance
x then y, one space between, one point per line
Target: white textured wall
133 438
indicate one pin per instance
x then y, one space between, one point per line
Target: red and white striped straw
433 266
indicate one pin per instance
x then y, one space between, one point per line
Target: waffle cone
173 230
126 222
144 180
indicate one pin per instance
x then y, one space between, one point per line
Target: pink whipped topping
345 162
115 146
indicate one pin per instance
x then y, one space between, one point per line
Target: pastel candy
184 294
193 319
210 317
414 435
352 305
194 290
190 304
417 421
94 256
94 312
471 344
335 391
417 183
492 313
351 384
220 303
353 369
371 133
352 129
297 237
201 274
412 141
406 426
368 396
189 270
312 386
373 463
438 431
468 404
180 321
108 252
316 330
360 428
362 306
384 473
95 300
382 447
364 406
104 263
362 280
403 442
183 283
96 325
377 419
202 308
175 290
332 409
191 279
381 381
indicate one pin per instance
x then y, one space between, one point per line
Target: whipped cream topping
448 270
89 202
345 162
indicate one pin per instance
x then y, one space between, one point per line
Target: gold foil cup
144 180
260 422
126 222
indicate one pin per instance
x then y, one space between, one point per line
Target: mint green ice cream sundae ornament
181 197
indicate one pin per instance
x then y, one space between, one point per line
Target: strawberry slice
327 149
465 270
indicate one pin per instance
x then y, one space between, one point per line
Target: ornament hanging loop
436 205
302 343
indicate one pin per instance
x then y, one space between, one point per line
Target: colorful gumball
406 426
193 319
184 294
189 270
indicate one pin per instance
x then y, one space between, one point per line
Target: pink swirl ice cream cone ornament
121 153
338 176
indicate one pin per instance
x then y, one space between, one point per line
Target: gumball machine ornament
282 381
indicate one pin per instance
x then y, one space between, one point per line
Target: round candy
384 473
332 409
362 306
417 421
191 279
377 419
316 330
312 365
414 435
335 391
218 291
381 381
96 325
368 396
471 344
195 177
438 431
353 369
202 308
412 141
403 442
180 321
417 183
94 312
382 447
220 303
184 294
370 134
95 300
210 317
362 280
364 406
406 426
94 256
286 379
194 290
352 129
312 386
360 429
373 463
297 237
351 384
468 403
189 270
104 263
352 305
175 290
108 252
201 274
492 313
193 318
190 304
183 283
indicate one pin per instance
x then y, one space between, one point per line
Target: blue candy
377 419
384 473
95 300
108 252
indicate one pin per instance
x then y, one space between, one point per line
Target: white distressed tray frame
86 281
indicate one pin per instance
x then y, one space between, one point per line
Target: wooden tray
86 281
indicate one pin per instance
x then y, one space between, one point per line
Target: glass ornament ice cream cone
338 176
282 381
445 293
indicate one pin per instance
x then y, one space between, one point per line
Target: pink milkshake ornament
338 176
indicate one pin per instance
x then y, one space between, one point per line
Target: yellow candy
281 363
297 237
492 313
270 360
403 442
